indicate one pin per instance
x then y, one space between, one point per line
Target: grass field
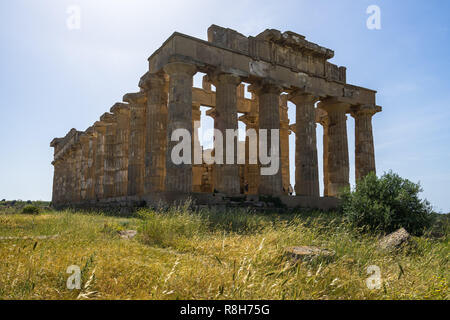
208 255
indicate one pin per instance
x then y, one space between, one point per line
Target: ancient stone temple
124 158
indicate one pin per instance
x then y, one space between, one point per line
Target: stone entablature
302 73
126 155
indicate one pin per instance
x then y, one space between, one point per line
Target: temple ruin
124 158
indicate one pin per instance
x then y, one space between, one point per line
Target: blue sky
53 79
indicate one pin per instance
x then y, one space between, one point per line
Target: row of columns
128 152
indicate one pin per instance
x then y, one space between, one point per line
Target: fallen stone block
395 240
307 253
127 234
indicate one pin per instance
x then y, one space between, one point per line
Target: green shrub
386 204
111 229
31 209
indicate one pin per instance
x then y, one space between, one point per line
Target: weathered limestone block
337 152
122 113
395 240
136 152
179 177
269 119
308 253
364 147
155 86
227 171
306 162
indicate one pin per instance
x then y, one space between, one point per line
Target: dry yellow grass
236 255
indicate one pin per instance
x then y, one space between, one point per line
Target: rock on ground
307 253
127 234
395 240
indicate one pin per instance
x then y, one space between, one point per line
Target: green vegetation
179 254
386 204
18 206
31 209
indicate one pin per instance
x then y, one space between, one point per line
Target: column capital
180 67
108 118
152 80
135 99
321 117
293 128
225 78
250 120
120 108
367 109
100 126
299 97
84 138
206 83
334 105
90 131
211 113
265 86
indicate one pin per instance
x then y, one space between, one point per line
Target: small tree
386 204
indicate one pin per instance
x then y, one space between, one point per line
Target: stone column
253 170
100 130
70 175
284 143
155 86
64 179
136 151
210 176
77 158
322 118
337 152
306 162
269 119
196 117
84 141
197 168
179 177
58 176
110 148
122 113
90 181
227 175
364 148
